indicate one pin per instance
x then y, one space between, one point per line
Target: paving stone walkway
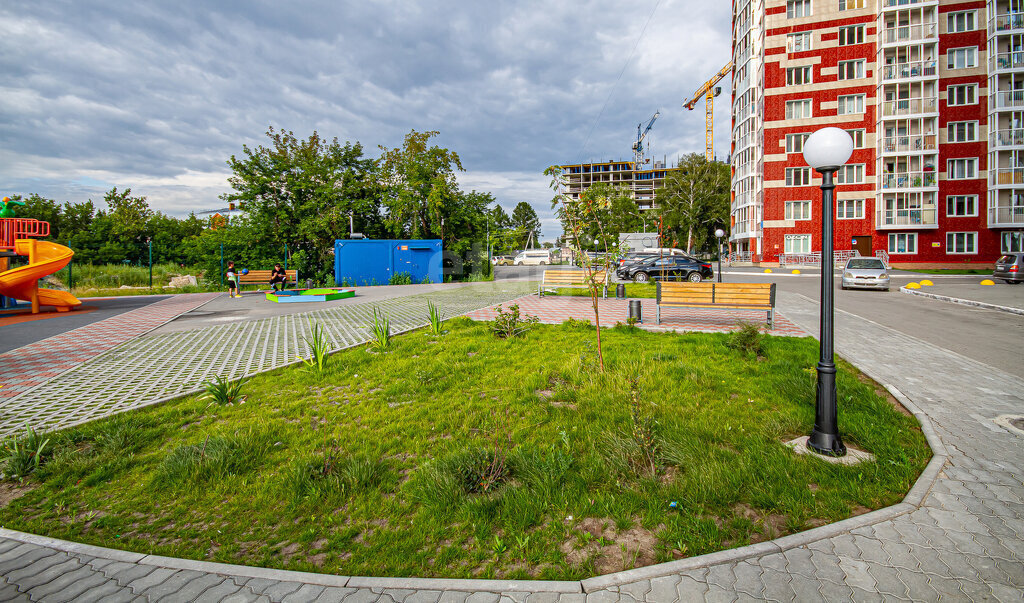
964 541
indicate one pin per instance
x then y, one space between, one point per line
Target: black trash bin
634 310
620 291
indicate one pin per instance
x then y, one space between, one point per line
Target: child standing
232 280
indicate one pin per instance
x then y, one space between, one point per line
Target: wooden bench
734 296
262 277
570 279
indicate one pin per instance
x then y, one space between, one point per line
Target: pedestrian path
960 536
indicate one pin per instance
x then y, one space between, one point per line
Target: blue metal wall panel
373 262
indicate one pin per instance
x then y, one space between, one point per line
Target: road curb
963 302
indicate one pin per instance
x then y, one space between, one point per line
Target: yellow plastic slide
22 283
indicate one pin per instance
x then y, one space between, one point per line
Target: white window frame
845 35
969 90
851 173
803 70
804 37
798 176
804 240
969 54
858 138
968 166
806 108
969 17
798 210
969 242
910 243
968 202
970 131
858 68
843 102
843 206
805 8
795 142
1011 241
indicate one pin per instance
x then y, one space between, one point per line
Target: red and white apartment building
932 92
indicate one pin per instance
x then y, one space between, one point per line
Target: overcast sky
156 96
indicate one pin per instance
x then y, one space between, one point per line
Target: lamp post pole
719 233
826 150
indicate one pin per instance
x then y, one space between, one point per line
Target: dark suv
1010 268
673 267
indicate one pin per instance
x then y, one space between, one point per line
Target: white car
533 257
865 273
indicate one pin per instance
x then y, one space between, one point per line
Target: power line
616 84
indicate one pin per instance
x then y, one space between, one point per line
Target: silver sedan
865 273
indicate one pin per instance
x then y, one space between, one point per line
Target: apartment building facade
641 182
936 173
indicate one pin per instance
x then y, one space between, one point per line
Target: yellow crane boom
709 91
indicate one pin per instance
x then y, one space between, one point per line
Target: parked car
674 267
1010 268
533 257
865 273
648 253
502 260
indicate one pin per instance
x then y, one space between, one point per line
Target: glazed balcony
908 70
909 143
889 4
1007 61
1003 176
1007 22
1002 216
923 217
909 106
907 34
907 180
1006 99
1007 138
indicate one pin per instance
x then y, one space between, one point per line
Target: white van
533 257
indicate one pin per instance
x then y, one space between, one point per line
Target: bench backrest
571 277
263 276
730 294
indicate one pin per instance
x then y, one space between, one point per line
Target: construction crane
709 91
638 146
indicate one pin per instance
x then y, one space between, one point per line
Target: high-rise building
641 182
937 172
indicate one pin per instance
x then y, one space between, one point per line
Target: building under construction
640 181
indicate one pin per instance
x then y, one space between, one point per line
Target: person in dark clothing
278 276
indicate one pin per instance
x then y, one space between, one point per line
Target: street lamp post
826 150
719 233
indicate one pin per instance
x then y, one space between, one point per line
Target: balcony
1007 99
1000 176
909 106
904 180
1002 61
1007 138
924 217
906 34
908 144
1005 215
1007 22
902 3
911 69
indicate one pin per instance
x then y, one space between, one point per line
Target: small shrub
479 470
509 324
747 340
222 391
23 455
381 331
400 278
575 323
319 350
436 319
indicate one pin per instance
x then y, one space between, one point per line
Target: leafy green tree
128 216
695 200
526 223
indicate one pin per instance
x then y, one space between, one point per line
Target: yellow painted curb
988 282
912 286
926 283
767 270
796 272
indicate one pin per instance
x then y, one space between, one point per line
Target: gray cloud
157 96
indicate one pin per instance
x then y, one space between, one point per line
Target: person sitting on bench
278 275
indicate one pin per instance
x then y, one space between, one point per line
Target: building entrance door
862 245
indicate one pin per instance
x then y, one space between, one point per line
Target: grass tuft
22 455
213 458
436 319
380 330
223 391
748 340
319 350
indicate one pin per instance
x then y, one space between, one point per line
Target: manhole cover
1012 423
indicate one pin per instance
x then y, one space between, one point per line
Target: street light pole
826 150
719 233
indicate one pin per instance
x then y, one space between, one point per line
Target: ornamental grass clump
222 392
436 319
23 455
381 331
319 350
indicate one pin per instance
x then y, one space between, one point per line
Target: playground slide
44 258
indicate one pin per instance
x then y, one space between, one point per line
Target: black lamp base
826 443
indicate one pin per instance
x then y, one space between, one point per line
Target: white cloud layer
156 96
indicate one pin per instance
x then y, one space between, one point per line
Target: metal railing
884 256
839 258
1006 175
1004 215
1007 98
1007 21
892 3
909 69
909 33
1006 60
909 106
907 180
919 217
12 229
1007 138
911 142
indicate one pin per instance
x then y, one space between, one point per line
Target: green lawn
633 290
468 456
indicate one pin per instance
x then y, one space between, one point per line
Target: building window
850 174
960 169
1012 241
798 210
798 42
962 58
962 131
851 103
796 76
849 209
961 242
858 138
798 8
850 4
851 70
903 242
964 94
959 206
795 142
800 243
798 109
798 176
851 34
961 21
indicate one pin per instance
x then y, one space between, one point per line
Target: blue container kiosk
374 261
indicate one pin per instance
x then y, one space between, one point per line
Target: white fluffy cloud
156 96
